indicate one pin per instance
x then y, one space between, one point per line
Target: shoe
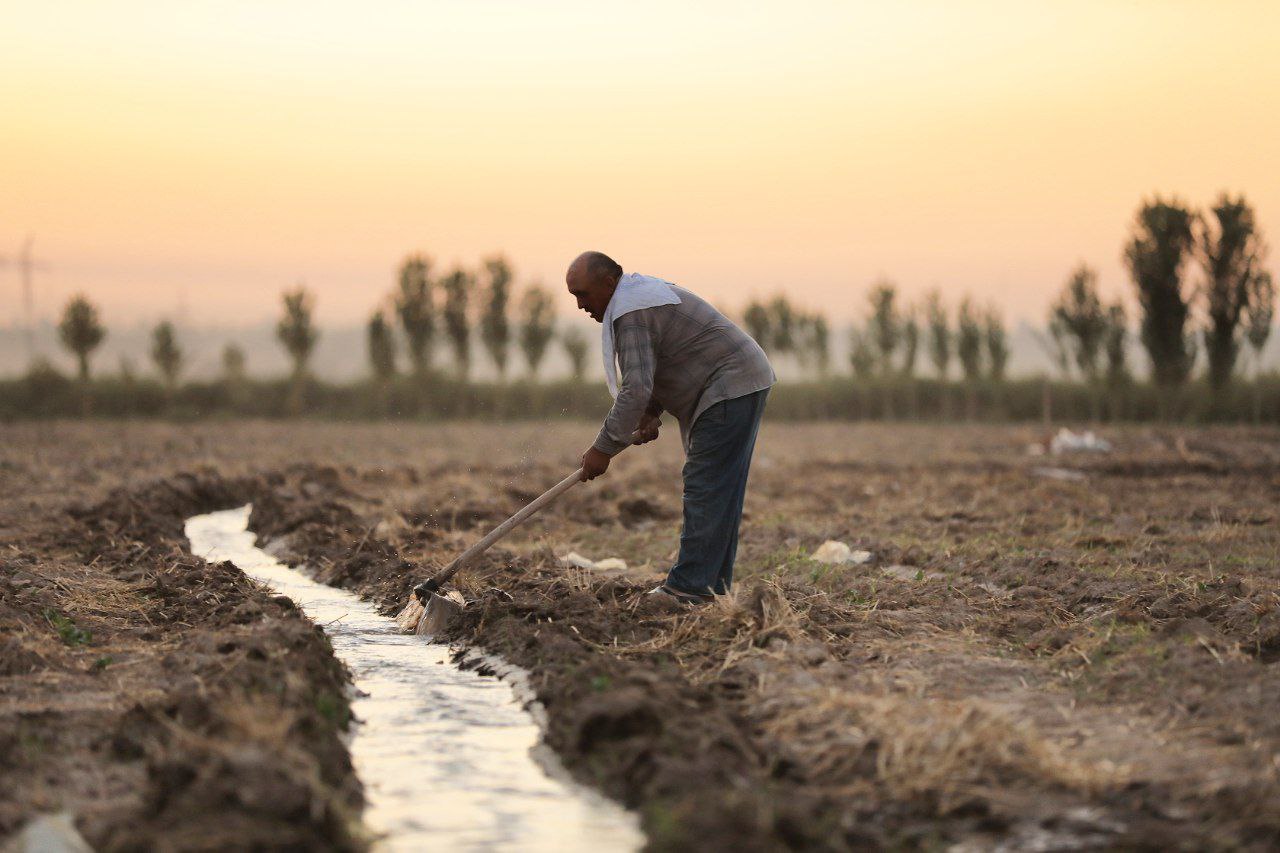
691 598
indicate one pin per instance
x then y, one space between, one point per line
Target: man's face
592 292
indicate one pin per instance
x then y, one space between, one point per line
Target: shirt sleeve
636 365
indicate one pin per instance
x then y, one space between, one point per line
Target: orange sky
210 154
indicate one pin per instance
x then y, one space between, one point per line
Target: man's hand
648 429
594 463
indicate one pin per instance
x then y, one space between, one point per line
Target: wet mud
168 704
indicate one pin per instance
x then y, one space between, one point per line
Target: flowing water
447 757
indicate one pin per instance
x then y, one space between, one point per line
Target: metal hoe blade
439 613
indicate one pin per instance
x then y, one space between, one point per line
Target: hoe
428 611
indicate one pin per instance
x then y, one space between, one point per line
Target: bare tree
415 306
81 332
537 325
495 328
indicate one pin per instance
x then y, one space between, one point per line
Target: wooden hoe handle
504 528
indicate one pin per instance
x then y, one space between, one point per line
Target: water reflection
444 754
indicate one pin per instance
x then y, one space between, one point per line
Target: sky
191 160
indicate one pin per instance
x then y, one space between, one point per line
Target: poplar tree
298 335
940 338
1080 322
457 287
886 325
382 347
1230 253
537 326
166 354
415 307
1162 241
495 328
997 341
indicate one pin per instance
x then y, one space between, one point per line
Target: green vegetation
70 634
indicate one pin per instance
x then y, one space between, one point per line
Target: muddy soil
1027 661
166 703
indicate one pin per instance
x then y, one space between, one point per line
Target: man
674 352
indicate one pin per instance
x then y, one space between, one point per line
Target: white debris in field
1068 475
836 553
608 564
50 833
1067 441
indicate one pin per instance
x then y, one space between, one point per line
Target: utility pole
27 265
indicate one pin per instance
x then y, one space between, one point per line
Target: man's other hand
594 463
648 429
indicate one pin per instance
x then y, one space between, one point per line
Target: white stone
608 564
837 553
51 833
573 558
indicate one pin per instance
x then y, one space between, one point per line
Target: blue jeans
715 482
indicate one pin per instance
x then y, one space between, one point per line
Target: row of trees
457 304
1198 278
1200 284
887 346
81 331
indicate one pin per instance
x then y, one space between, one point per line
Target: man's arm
636 363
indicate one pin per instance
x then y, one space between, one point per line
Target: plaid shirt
681 359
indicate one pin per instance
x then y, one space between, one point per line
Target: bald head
596 264
592 278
